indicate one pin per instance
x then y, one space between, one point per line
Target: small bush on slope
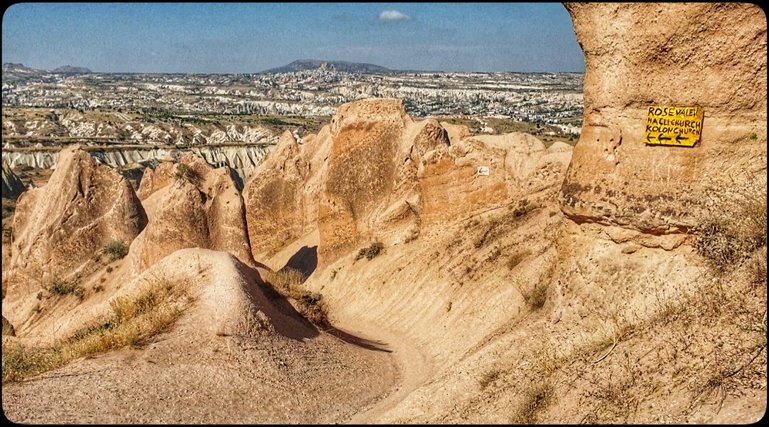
115 249
732 233
288 283
370 252
62 287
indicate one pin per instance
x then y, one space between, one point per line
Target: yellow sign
680 126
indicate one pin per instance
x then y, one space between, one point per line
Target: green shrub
115 249
187 173
62 287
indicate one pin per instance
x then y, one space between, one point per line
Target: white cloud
392 15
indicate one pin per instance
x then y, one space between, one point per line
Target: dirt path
414 368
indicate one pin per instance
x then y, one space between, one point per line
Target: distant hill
343 66
11 67
18 73
69 69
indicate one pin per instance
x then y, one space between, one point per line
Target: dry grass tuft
535 399
288 283
522 208
732 233
132 320
370 252
60 286
534 296
517 257
757 267
488 377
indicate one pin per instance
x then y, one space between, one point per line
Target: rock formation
279 198
190 204
375 174
241 158
58 228
711 55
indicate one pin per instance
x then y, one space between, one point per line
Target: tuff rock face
276 197
190 205
58 228
638 55
374 174
362 173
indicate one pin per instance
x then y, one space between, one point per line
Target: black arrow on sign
679 139
662 138
649 138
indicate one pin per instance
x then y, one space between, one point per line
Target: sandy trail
414 368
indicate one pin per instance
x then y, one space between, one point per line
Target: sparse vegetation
370 252
8 328
517 257
132 320
60 286
757 267
728 237
535 399
115 249
288 283
521 208
488 377
537 297
186 173
753 136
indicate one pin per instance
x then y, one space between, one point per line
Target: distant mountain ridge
69 69
11 67
343 66
19 68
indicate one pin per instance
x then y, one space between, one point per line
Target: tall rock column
638 55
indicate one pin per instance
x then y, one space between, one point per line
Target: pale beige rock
375 174
281 197
155 179
201 208
643 54
60 227
456 132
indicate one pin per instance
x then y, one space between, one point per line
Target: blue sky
251 37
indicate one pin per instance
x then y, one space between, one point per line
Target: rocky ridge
552 289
